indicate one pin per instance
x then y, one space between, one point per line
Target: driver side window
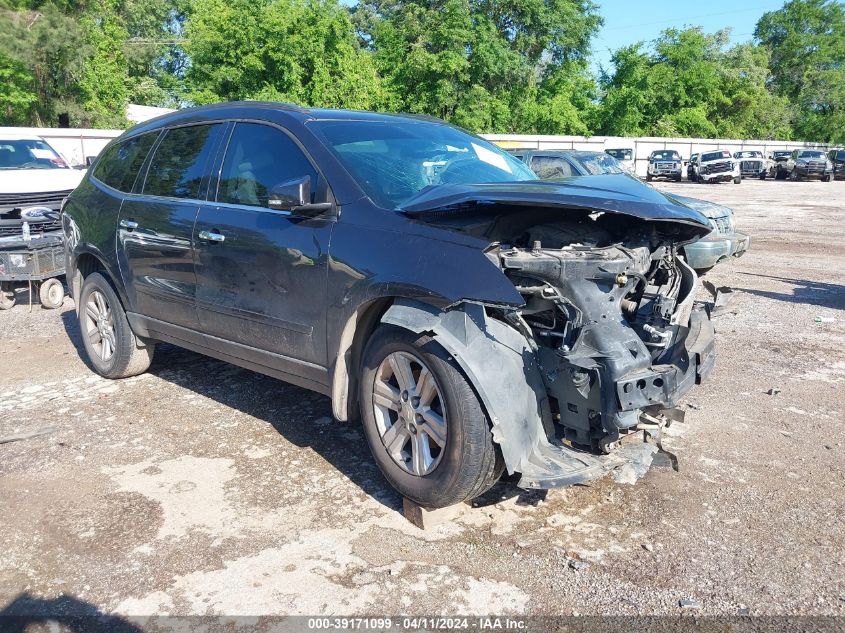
258 158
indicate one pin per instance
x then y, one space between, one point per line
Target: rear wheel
51 293
7 295
113 349
426 428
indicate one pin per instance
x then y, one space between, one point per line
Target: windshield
598 164
394 160
29 154
813 154
782 154
715 156
748 154
620 154
667 154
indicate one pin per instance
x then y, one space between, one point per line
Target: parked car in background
722 243
476 318
752 164
691 166
837 159
777 167
553 164
664 163
34 180
809 163
716 166
626 158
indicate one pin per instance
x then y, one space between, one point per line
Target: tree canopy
487 65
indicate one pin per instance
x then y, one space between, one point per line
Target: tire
464 463
99 303
793 176
763 176
678 178
7 296
826 178
51 293
737 181
648 177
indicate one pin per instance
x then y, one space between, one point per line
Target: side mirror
295 196
285 196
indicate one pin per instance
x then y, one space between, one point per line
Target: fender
501 365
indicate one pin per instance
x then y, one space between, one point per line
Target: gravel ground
201 488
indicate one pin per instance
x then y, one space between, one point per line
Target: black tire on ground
99 303
737 180
763 176
469 462
826 178
51 293
677 178
7 296
648 177
793 176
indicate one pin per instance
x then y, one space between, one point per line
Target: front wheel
51 293
826 178
793 176
426 428
737 180
112 347
763 176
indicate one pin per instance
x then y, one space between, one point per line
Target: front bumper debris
713 248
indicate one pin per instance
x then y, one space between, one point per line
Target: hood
611 193
706 208
39 180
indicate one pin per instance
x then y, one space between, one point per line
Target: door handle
129 225
212 236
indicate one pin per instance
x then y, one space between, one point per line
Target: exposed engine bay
610 317
609 336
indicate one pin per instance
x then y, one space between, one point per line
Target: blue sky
629 21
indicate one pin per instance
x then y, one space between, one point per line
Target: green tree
486 65
17 96
806 42
689 84
304 51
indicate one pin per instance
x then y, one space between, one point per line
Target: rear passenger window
258 158
179 162
550 167
120 164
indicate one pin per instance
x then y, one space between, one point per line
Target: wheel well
353 339
86 263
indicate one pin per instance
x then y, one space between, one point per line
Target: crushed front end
607 334
617 329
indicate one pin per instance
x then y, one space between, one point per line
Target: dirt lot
201 488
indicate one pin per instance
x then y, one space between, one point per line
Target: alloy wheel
410 413
99 325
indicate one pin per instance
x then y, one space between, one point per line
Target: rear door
155 248
261 273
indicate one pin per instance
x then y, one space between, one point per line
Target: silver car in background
722 243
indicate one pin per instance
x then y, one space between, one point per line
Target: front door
155 231
261 274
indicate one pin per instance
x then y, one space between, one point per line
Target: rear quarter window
119 165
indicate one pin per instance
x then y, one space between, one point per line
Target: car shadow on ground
26 612
302 417
816 293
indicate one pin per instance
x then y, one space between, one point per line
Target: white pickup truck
34 180
715 166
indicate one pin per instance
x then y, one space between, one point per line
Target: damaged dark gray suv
476 318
